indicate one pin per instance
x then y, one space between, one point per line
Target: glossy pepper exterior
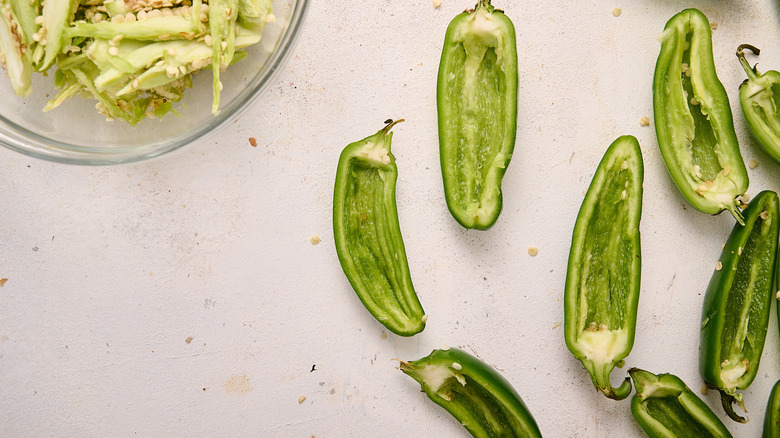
666 408
772 414
477 109
735 315
602 282
759 104
368 235
693 119
474 393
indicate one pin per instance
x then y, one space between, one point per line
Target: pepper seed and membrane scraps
135 57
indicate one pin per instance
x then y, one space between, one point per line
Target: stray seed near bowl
556 325
253 142
301 399
644 121
436 3
533 251
315 239
714 25
753 164
616 12
718 266
270 18
704 389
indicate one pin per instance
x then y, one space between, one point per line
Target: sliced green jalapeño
735 315
759 97
477 108
14 53
666 408
772 414
602 282
693 119
474 393
368 235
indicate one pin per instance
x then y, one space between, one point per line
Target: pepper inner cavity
703 153
479 97
767 102
745 303
477 402
675 418
605 287
371 236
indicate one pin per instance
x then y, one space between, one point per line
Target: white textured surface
111 269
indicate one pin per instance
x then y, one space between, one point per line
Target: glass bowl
76 133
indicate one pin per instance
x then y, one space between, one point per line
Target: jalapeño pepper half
477 105
474 393
735 316
772 414
602 282
368 236
693 120
665 407
759 101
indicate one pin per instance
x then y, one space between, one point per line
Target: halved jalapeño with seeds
665 407
602 282
735 315
476 99
473 392
693 119
759 97
368 236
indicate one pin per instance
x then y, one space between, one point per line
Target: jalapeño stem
751 71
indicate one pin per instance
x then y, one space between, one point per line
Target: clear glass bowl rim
17 138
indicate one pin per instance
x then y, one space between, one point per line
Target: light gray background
111 270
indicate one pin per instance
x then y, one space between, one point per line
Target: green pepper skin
602 281
772 414
477 110
735 315
759 105
368 235
474 393
693 119
666 408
